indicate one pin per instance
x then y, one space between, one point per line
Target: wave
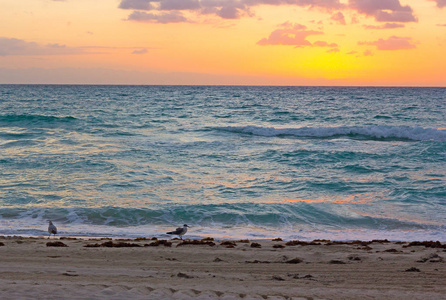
19 120
360 132
263 216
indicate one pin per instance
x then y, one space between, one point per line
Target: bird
51 229
180 231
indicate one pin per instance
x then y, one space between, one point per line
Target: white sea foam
375 132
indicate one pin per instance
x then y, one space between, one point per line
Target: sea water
231 162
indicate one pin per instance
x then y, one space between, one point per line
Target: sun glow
319 43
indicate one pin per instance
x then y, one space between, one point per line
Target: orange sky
243 42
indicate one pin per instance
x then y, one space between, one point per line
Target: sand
379 270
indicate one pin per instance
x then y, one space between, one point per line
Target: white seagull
51 229
180 231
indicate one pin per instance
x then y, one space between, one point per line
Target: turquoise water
231 162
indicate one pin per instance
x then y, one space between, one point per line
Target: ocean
232 162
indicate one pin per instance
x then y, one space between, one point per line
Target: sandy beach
70 268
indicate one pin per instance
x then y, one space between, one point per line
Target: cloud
11 46
179 4
385 26
289 34
324 44
334 50
226 9
368 53
326 4
136 4
338 17
294 35
440 3
441 25
384 10
164 18
140 51
392 43
391 11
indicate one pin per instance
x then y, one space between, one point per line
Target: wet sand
150 269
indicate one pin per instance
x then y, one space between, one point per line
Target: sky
224 42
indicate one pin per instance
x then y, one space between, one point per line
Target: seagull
51 229
180 231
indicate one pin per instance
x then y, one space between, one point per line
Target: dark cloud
384 10
136 4
164 18
389 11
179 4
440 3
226 9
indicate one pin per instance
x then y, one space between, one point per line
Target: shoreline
98 268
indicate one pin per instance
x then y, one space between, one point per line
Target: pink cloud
384 26
440 3
392 43
11 46
324 44
338 17
334 50
140 51
326 4
164 18
368 53
293 35
290 35
384 10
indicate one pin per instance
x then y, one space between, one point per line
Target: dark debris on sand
157 243
294 261
56 244
243 241
413 269
110 244
228 244
433 257
336 262
302 243
427 244
256 245
183 275
257 262
196 242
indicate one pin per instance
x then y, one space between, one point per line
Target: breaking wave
359 132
